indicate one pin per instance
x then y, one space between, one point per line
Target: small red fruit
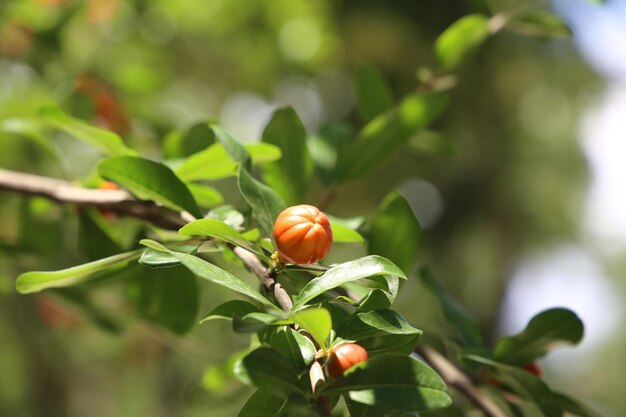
344 357
533 368
302 235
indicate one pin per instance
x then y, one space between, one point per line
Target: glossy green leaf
381 331
467 327
228 214
157 259
383 135
168 297
267 369
290 176
235 150
215 163
540 24
231 309
204 195
149 180
195 139
365 267
36 281
262 404
317 322
375 300
343 234
373 95
392 381
253 322
219 230
547 330
461 40
212 273
299 349
361 410
395 233
265 203
107 141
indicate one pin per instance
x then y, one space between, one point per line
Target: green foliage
348 299
461 41
149 180
551 328
289 177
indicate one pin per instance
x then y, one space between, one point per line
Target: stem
454 377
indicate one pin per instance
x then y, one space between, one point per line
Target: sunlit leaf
368 266
392 381
461 40
317 322
290 176
265 203
547 330
269 370
149 180
36 281
212 273
107 141
395 233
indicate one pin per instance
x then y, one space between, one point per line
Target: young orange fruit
302 235
344 357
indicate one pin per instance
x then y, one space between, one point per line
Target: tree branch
122 203
454 377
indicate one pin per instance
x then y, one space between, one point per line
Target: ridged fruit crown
302 235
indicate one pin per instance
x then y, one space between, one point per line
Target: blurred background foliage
509 181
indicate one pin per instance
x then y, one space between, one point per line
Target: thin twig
454 377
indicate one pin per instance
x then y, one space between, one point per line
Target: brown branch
454 377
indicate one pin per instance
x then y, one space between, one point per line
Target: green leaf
395 233
524 384
365 267
205 196
156 259
361 410
231 309
325 147
36 281
96 237
373 95
547 330
107 141
262 404
383 135
540 24
460 41
381 331
317 322
253 322
432 144
215 163
392 381
270 371
212 273
149 180
290 176
217 229
168 297
342 234
571 405
235 150
265 203
375 300
299 349
30 129
467 327
197 137
228 214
